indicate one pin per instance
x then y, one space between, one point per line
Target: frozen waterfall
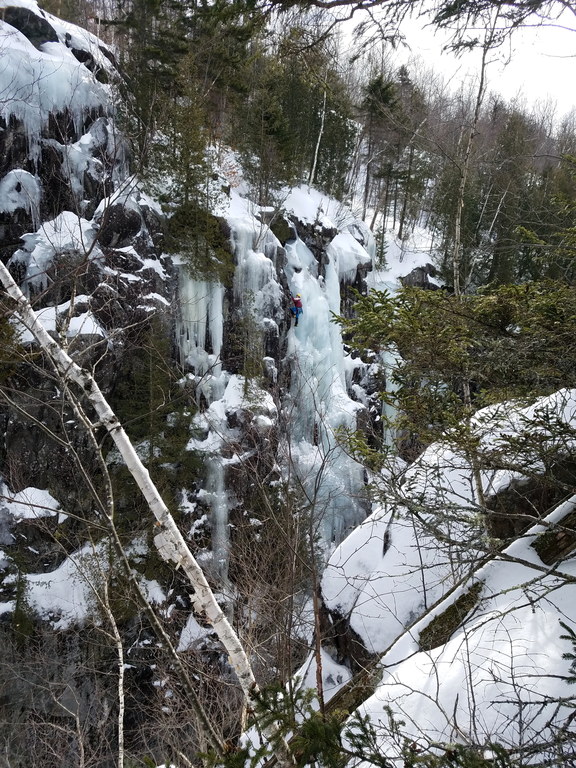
318 404
310 410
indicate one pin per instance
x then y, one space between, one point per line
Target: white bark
119 645
169 541
465 167
105 503
312 174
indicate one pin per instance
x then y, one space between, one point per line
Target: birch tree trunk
312 174
465 166
119 645
169 541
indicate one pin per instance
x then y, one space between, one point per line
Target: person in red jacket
296 308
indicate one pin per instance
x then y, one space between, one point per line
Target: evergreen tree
547 238
296 116
513 342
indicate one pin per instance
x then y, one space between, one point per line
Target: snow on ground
334 676
499 676
347 255
390 569
65 596
313 207
70 594
191 634
402 257
30 503
57 320
67 233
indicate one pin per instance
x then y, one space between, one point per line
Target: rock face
87 249
95 266
420 278
35 27
316 237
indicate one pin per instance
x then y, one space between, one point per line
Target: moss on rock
441 628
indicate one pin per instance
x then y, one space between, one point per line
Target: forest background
299 100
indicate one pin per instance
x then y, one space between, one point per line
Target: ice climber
296 308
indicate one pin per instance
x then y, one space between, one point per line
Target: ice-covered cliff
240 415
236 411
304 391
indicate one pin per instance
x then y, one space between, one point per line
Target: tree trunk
465 166
312 175
406 193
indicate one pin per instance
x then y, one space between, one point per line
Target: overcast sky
539 64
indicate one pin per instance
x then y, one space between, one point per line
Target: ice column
388 360
199 332
319 405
